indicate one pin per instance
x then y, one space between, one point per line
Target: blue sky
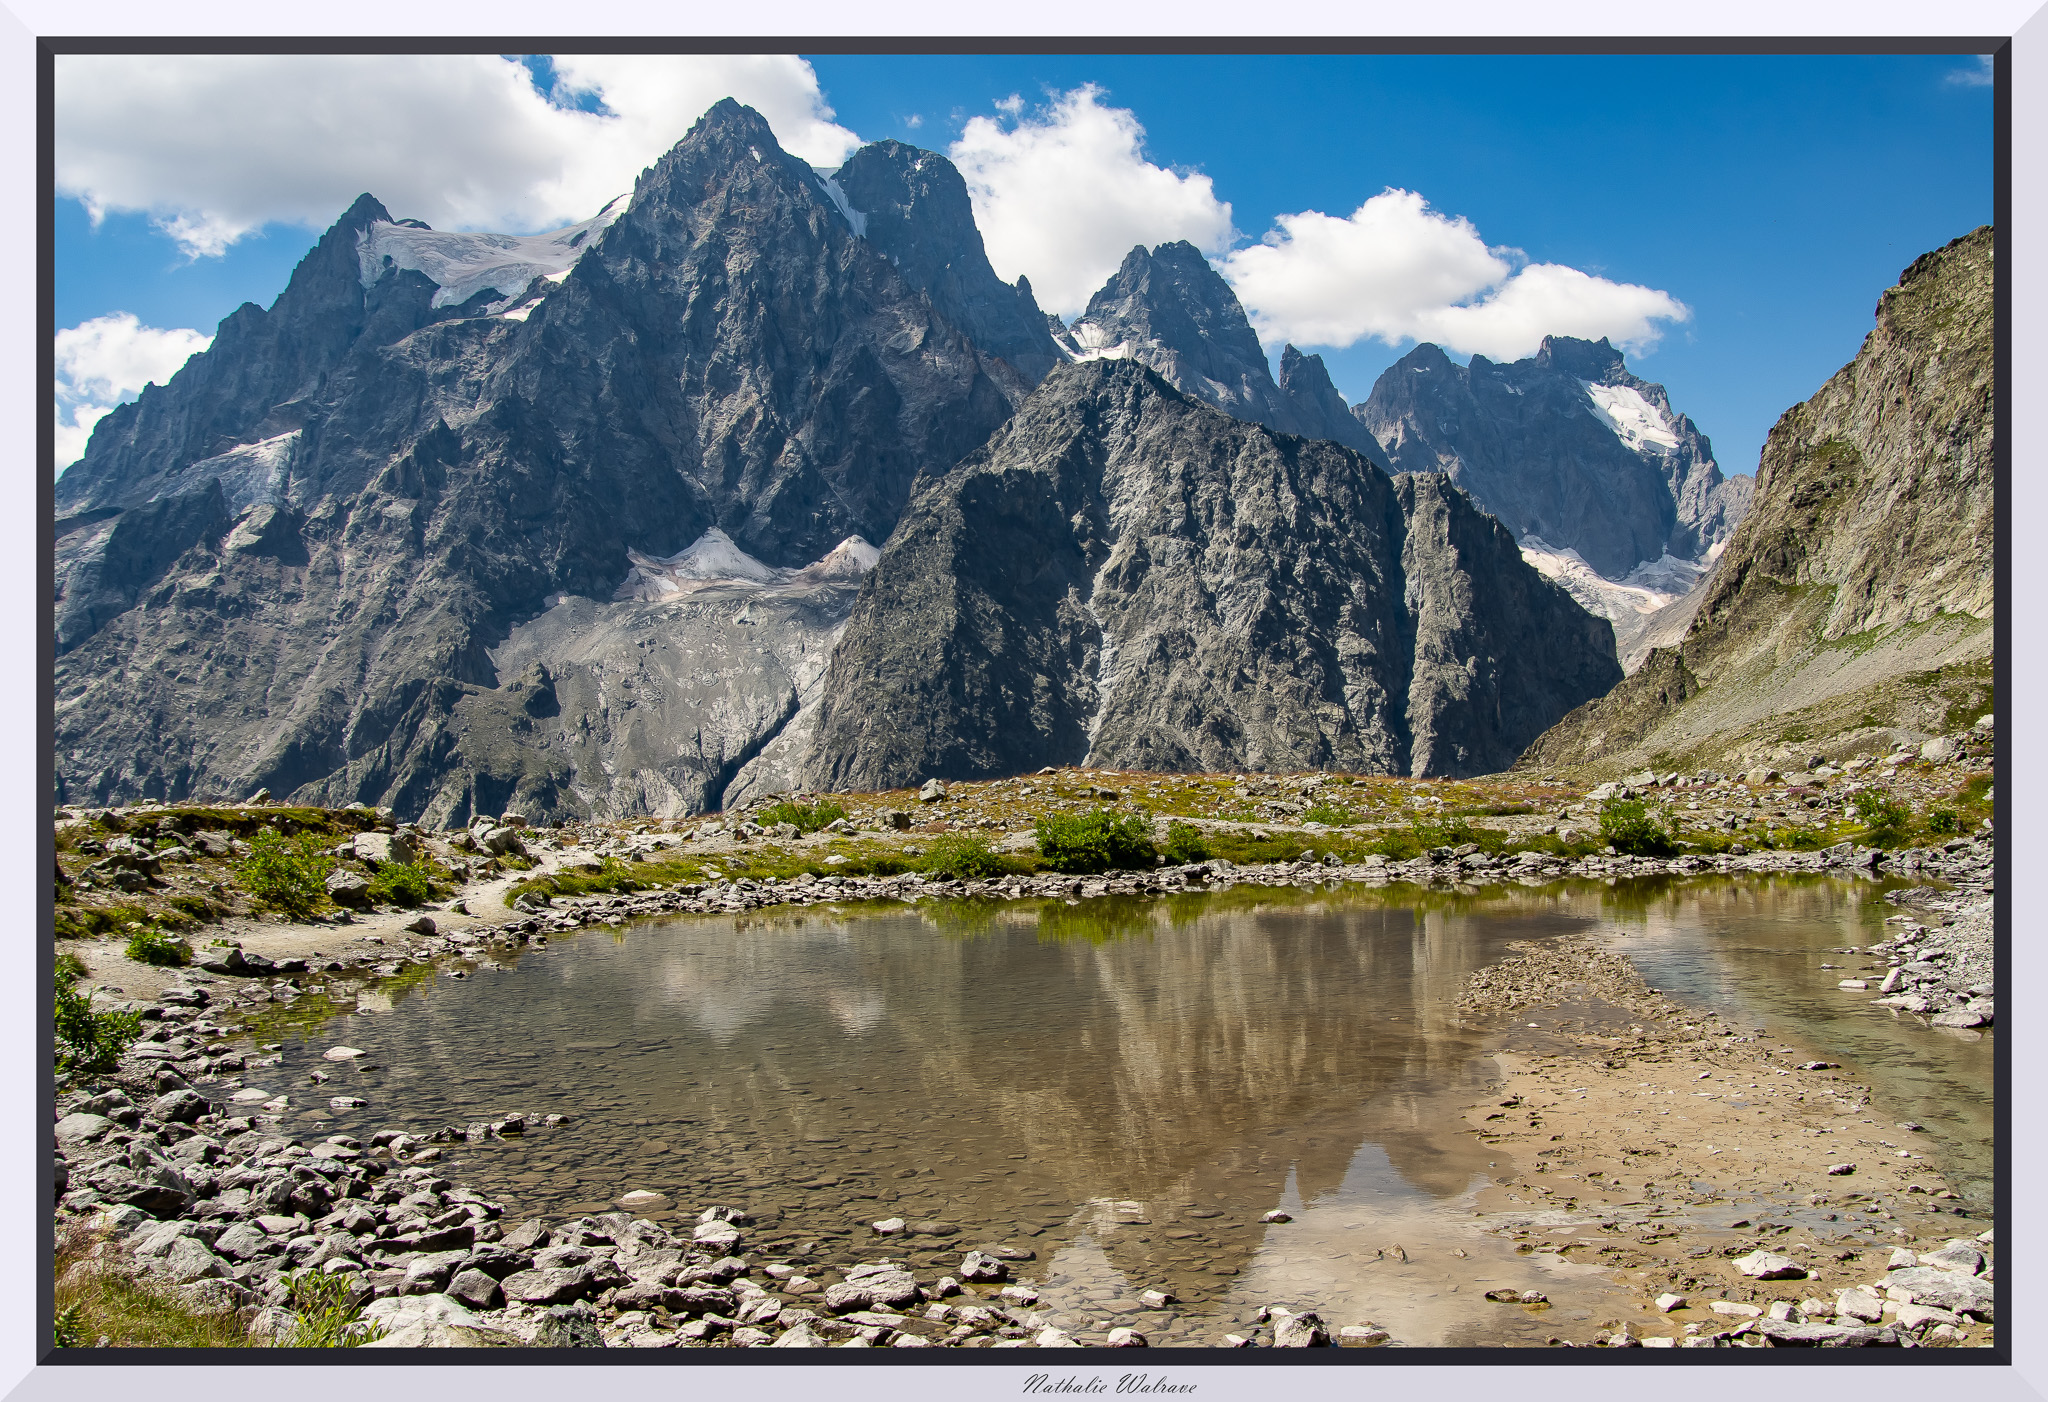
1773 197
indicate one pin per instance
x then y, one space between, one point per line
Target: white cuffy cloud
215 146
1064 194
107 360
1397 270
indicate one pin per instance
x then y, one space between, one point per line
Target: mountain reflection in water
1086 1077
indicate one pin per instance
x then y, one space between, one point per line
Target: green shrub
1185 844
1885 819
323 1315
1330 815
1092 842
153 946
1628 826
89 1042
285 873
1944 821
808 817
962 856
402 883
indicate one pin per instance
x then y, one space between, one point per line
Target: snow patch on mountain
855 220
249 474
1084 340
464 264
715 561
1637 422
1644 589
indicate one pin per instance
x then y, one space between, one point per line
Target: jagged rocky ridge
1855 599
290 566
1126 577
1168 309
433 531
1609 489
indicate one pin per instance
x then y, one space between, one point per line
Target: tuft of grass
154 946
1943 821
1629 827
1330 815
963 856
1885 819
98 1302
807 817
325 1315
1094 842
285 873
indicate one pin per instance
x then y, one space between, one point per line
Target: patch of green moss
84 922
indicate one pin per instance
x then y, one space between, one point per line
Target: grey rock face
727 354
913 207
1125 577
1567 447
1318 410
1168 309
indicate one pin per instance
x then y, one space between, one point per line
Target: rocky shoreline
221 1206
1631 1136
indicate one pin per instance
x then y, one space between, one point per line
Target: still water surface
1122 1087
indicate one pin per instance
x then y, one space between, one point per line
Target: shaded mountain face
1125 577
913 207
289 567
1568 448
1853 606
1168 309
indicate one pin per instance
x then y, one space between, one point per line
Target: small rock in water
342 1053
1156 1299
1304 1330
1668 1303
1125 1337
641 1200
718 1236
346 1102
888 1226
981 1268
1276 1215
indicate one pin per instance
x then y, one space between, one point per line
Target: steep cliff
1855 600
1127 577
1571 450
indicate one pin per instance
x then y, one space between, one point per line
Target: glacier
464 264
1638 423
715 561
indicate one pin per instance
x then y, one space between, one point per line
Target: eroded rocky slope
290 566
1128 577
1857 595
